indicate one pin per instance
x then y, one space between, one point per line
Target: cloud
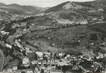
40 3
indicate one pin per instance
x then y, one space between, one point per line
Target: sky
39 3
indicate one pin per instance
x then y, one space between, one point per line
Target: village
26 60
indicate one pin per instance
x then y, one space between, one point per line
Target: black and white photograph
52 36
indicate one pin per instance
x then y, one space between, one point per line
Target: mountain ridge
20 9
